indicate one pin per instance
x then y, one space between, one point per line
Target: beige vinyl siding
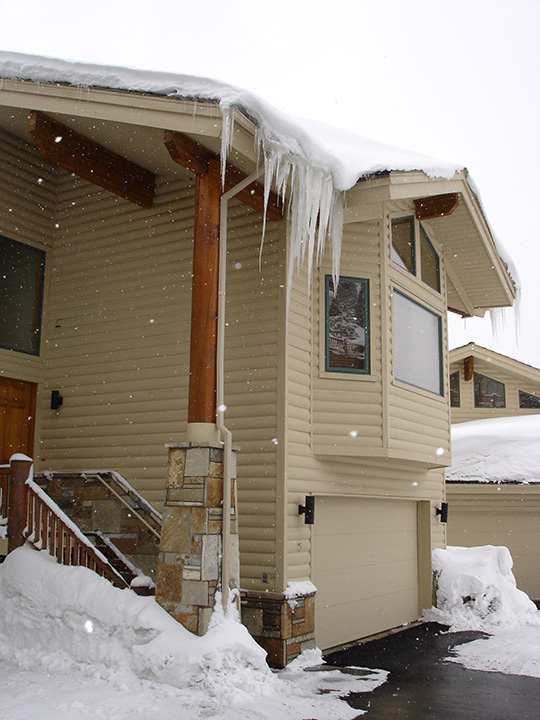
507 515
349 402
251 387
308 471
27 190
512 384
119 332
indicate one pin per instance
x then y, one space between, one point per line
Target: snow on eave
344 155
311 164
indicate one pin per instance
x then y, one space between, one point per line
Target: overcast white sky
455 79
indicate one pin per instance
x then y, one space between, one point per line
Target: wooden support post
204 297
18 501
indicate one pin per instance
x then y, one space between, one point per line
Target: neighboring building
340 395
493 491
486 384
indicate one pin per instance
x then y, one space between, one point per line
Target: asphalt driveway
422 686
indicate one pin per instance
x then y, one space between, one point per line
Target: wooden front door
17 413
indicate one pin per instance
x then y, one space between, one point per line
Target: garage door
365 567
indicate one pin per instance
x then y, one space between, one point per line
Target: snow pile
69 621
476 590
496 450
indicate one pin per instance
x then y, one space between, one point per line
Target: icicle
313 204
227 134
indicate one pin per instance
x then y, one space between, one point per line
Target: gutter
226 436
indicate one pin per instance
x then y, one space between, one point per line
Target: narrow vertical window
347 325
455 400
403 243
21 295
429 262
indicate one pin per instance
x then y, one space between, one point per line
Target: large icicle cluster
313 204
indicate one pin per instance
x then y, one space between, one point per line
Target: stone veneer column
284 625
189 567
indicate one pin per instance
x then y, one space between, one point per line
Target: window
526 400
403 243
21 295
417 345
455 400
429 262
347 325
488 393
422 261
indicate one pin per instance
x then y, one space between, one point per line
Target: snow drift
476 590
70 621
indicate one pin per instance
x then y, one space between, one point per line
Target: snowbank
56 619
496 450
476 590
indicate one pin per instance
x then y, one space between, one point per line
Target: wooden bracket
468 368
196 158
74 152
436 206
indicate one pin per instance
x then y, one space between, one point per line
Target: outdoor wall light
443 512
56 399
308 510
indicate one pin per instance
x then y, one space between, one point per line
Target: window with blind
417 344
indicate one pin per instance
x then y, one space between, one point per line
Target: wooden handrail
49 529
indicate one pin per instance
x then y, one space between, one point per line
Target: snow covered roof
345 156
309 163
496 450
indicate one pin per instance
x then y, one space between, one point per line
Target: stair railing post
19 471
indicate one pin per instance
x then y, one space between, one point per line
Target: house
493 491
486 384
493 485
313 413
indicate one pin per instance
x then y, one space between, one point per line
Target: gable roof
495 360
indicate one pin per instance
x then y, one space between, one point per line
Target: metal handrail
96 476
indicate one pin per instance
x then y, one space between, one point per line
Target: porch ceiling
140 144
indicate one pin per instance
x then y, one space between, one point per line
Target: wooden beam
195 158
436 206
187 152
468 368
204 297
74 152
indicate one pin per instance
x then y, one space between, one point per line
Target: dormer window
413 251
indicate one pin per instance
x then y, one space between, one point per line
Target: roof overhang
130 123
485 360
478 277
